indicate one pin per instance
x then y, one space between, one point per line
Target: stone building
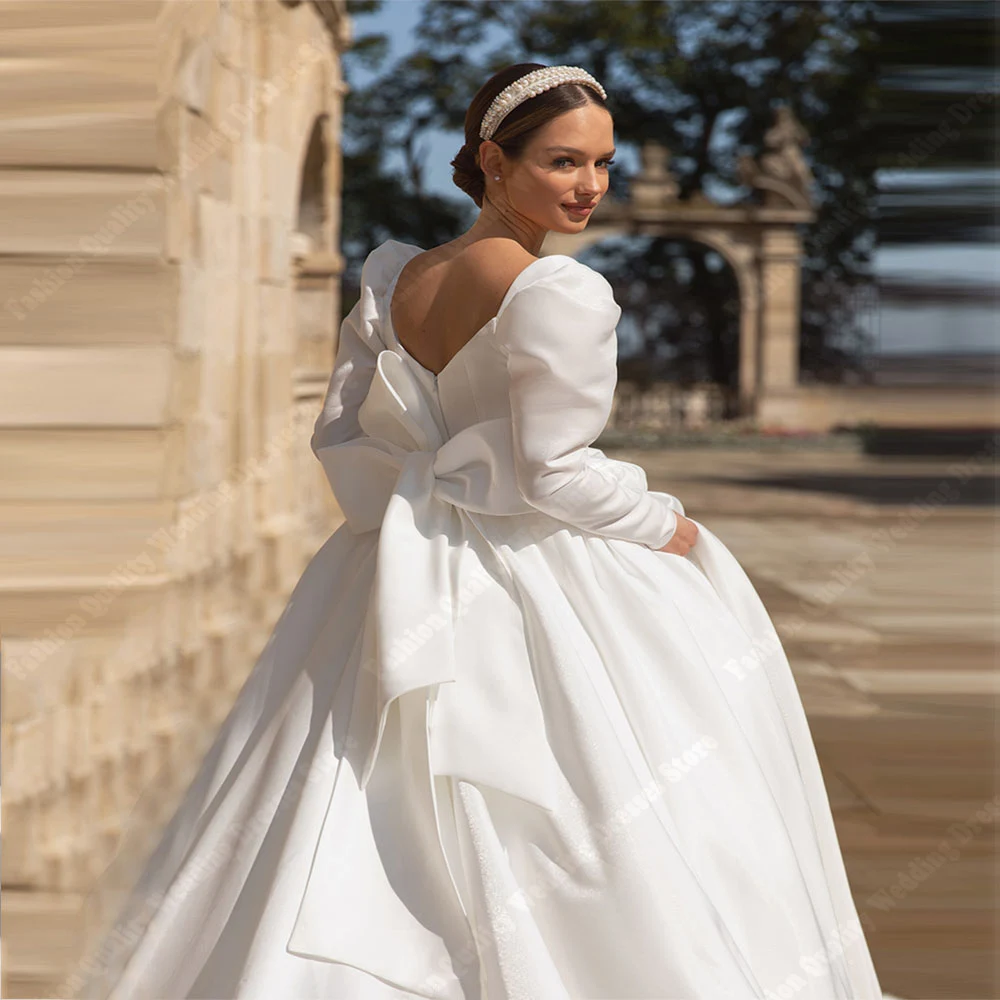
169 196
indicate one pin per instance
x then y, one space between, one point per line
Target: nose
588 184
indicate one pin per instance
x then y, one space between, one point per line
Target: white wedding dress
498 747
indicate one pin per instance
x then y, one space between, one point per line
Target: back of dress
524 398
497 745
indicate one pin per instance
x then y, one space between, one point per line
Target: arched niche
315 268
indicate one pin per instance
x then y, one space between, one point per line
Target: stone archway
760 240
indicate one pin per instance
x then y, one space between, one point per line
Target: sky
897 330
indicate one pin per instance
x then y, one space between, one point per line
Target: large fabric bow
407 478
439 593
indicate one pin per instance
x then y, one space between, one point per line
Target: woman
524 729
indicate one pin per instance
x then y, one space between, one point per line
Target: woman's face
565 163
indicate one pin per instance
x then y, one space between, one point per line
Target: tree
702 77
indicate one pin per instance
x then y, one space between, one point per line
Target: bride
524 730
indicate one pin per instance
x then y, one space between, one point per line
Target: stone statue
782 173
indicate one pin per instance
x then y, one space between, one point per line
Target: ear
490 157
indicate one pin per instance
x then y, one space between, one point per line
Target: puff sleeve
357 349
559 334
353 370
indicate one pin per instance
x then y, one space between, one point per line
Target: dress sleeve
559 334
358 349
353 371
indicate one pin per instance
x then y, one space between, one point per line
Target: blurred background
801 232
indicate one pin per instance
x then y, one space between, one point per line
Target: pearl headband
530 85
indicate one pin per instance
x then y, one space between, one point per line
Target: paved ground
887 613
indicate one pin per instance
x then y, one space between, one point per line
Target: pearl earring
496 177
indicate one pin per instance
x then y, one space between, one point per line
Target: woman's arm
559 335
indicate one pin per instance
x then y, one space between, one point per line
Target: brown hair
517 127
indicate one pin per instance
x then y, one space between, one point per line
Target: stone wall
825 407
667 406
169 209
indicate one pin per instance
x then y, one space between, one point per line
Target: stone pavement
886 611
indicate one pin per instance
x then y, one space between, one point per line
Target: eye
567 159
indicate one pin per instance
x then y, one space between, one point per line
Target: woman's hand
683 539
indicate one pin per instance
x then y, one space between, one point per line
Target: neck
500 221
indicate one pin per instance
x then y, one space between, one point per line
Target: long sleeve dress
500 747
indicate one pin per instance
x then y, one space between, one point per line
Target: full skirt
686 851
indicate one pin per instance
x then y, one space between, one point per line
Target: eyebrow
579 152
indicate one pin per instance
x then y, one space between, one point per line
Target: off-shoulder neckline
515 286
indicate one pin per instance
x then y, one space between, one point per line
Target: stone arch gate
760 241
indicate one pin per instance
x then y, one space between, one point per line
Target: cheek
543 191
553 188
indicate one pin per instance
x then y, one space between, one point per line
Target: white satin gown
498 747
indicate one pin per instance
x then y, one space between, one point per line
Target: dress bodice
472 387
511 419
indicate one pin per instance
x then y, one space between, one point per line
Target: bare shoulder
493 264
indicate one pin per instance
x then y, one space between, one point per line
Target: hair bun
468 175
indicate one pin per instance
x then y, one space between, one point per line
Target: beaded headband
530 85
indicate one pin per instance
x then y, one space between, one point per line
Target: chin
567 225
